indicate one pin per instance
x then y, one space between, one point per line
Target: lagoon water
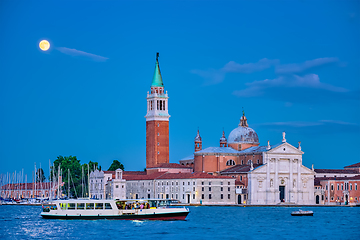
25 222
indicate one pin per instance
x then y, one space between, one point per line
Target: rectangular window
99 205
71 206
90 206
209 183
202 196
221 196
176 196
80 206
193 196
228 183
221 183
229 189
342 186
221 188
338 188
108 206
355 186
148 195
193 183
209 196
228 196
209 189
202 189
332 187
193 188
188 183
183 196
202 183
240 178
63 206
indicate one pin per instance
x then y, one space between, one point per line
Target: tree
78 179
115 165
40 176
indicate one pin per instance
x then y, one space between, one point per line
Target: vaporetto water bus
134 209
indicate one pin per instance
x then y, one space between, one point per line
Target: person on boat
141 206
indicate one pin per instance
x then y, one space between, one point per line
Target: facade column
299 197
276 182
267 182
291 185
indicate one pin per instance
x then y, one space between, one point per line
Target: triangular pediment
285 148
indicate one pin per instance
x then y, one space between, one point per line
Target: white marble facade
282 178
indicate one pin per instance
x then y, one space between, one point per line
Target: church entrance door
282 193
239 199
317 199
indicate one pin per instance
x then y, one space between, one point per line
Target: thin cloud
78 53
301 67
216 76
315 127
298 89
211 76
261 65
259 88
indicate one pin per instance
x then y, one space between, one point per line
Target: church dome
243 134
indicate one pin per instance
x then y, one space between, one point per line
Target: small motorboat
302 213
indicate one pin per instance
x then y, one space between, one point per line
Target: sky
293 66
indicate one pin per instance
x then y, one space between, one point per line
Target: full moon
44 45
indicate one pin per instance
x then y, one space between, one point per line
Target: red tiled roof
237 182
161 175
127 173
357 177
239 168
134 173
169 165
336 171
317 182
356 165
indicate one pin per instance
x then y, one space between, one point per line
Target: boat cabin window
71 206
108 206
80 206
90 206
120 204
99 205
63 206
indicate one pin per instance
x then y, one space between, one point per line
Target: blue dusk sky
293 66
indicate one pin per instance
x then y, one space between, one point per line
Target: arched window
230 162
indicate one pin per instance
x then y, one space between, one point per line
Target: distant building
338 186
269 174
29 190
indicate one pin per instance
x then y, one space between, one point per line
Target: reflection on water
24 222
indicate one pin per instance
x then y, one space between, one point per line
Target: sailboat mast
89 180
68 184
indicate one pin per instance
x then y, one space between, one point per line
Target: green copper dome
157 79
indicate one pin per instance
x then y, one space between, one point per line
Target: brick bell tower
157 121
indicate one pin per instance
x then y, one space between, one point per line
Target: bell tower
198 142
157 121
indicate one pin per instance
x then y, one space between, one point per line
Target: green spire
157 79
